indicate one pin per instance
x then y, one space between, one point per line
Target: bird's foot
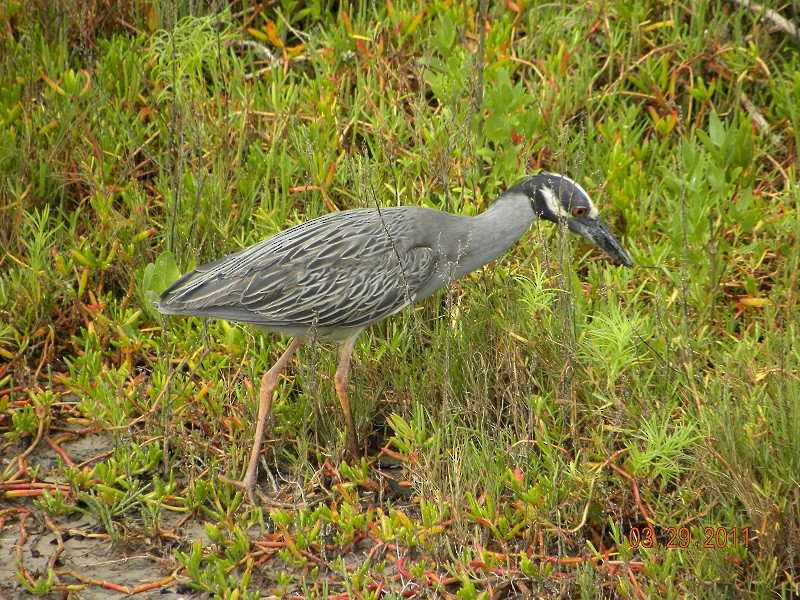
247 485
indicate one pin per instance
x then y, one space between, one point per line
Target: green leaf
157 277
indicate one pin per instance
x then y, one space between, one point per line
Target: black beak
599 235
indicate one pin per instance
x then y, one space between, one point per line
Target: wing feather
346 269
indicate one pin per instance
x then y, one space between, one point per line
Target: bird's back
326 277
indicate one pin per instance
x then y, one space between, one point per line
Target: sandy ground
86 551
85 558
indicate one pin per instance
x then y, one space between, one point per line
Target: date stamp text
681 538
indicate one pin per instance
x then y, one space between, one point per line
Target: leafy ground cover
550 426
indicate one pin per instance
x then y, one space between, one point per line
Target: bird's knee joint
340 379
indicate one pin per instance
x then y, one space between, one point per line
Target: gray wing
346 269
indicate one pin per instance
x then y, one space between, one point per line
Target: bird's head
561 200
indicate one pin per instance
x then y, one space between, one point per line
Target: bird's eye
578 211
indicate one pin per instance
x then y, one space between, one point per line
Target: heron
333 276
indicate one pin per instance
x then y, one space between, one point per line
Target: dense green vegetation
552 425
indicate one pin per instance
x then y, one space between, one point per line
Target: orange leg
268 384
340 382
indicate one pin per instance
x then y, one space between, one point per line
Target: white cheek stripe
552 202
593 212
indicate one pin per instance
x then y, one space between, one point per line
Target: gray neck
495 231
